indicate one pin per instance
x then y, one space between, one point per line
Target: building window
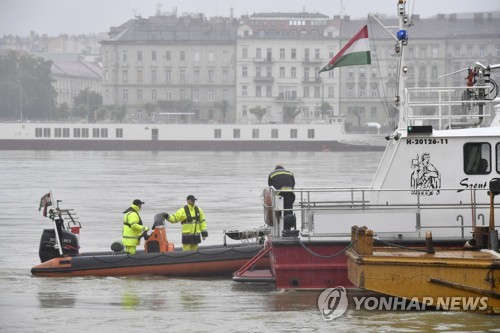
244 53
182 55
139 94
153 94
119 132
274 133
124 55
168 75
293 72
316 53
196 75
210 56
258 91
168 55
211 76
225 95
244 91
124 95
139 76
434 73
211 96
196 95
125 76
153 75
225 75
269 91
331 92
258 53
182 95
244 71
197 57
139 55
168 95
282 72
293 54
282 53
182 74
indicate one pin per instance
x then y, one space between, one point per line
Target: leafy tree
290 113
101 113
223 106
86 103
63 112
150 108
325 109
25 87
119 113
258 112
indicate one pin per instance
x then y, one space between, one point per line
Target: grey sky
54 17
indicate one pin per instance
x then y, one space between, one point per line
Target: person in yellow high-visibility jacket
194 225
132 227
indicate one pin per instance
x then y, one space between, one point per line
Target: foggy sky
73 17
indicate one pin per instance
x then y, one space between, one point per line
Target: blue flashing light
402 35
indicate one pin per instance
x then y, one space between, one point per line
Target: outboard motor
48 249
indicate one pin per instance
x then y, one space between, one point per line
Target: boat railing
445 107
463 208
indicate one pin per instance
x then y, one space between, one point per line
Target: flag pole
58 244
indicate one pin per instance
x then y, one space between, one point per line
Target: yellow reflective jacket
196 225
132 226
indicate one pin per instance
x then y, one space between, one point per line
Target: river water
100 185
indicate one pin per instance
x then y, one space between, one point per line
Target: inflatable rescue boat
159 256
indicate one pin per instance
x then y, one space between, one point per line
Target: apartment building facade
190 65
180 68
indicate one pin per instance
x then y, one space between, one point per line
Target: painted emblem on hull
425 178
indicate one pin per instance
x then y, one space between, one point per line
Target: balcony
265 79
312 80
288 99
265 60
313 61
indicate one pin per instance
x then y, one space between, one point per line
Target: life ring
267 203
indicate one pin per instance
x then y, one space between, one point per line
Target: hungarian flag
355 52
45 202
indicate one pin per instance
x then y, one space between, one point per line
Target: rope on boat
401 246
167 254
328 256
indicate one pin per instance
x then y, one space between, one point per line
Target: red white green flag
355 52
45 202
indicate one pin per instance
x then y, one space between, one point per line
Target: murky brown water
100 185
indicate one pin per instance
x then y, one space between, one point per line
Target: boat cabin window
477 158
255 133
46 132
274 133
310 133
85 132
119 132
236 133
293 133
76 132
95 132
217 133
498 157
